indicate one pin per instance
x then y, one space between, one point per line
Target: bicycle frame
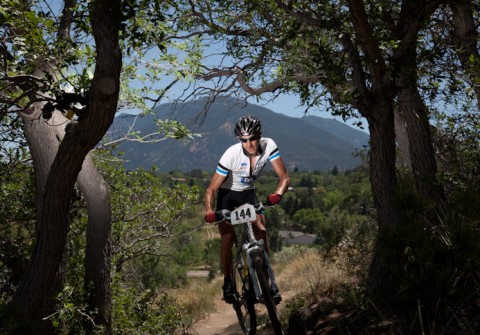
250 245
253 266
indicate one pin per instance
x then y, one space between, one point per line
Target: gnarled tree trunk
43 145
98 249
34 288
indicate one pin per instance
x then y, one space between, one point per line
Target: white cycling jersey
235 165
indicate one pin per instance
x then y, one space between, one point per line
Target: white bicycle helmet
248 125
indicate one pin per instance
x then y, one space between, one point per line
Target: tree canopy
404 66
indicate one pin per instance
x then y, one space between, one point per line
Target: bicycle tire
262 276
244 304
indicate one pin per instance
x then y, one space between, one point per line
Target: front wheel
261 272
244 304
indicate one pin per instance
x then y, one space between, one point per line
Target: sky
284 104
290 105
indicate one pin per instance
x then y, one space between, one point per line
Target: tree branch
367 40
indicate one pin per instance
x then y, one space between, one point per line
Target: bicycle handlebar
224 214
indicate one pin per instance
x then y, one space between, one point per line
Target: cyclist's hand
210 217
273 199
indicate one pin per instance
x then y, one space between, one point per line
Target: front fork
253 247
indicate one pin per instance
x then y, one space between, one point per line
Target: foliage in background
17 217
211 256
144 312
152 246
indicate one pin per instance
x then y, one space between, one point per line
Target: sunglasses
251 139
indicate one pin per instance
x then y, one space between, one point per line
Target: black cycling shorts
228 199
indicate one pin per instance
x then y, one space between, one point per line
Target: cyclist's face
250 143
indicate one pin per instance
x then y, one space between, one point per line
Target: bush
437 277
145 312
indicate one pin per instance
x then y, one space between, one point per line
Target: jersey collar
259 149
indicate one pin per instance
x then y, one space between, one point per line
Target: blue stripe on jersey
222 171
274 156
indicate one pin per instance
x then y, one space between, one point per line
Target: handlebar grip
222 215
219 216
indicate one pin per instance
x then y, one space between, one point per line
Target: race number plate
243 214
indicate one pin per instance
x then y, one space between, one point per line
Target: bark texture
98 249
34 289
43 146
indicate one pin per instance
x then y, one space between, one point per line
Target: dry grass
305 275
308 270
198 298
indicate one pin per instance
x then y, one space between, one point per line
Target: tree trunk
43 146
420 145
98 249
466 37
383 179
380 115
79 140
401 138
414 116
375 103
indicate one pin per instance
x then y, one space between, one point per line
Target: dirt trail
222 322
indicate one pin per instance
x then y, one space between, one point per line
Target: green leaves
143 25
174 129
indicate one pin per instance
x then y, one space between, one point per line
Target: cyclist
234 179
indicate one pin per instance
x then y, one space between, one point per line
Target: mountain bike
253 278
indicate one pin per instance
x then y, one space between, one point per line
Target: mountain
309 143
356 137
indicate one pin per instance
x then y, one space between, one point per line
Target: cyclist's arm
282 173
215 183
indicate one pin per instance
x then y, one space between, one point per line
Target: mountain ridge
308 143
